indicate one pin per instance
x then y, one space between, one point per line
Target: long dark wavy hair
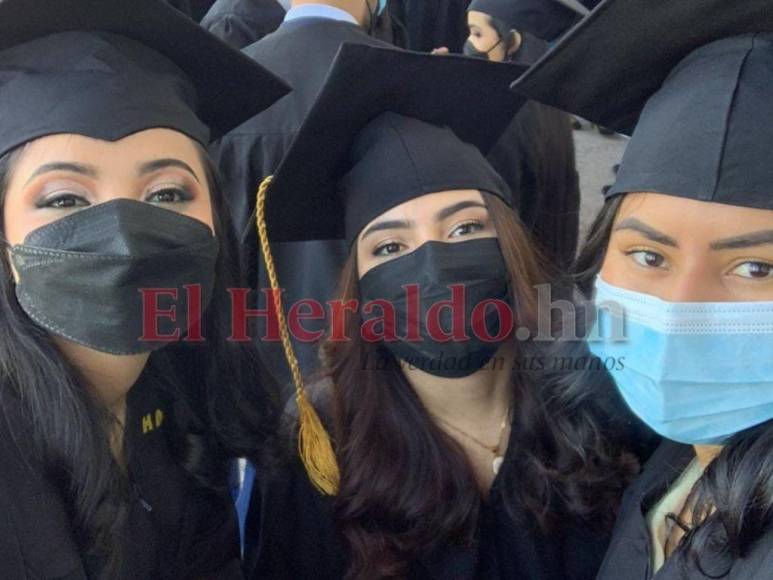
732 503
221 407
406 486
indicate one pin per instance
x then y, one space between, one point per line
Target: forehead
680 216
426 206
141 146
478 18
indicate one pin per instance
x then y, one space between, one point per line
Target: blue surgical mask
695 372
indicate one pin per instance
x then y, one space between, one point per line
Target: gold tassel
314 445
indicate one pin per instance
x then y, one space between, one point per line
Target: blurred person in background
300 51
536 153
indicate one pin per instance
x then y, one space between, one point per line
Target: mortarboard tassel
314 445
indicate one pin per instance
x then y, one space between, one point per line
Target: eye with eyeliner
756 270
62 199
647 258
381 250
474 226
169 192
169 195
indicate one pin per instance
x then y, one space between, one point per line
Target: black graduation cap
388 126
545 19
109 68
695 80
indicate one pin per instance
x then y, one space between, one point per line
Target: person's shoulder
669 454
243 22
755 564
317 32
218 10
244 8
35 525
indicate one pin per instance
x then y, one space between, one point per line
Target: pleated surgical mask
695 372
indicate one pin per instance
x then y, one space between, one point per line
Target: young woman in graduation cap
535 154
106 445
515 29
682 253
445 459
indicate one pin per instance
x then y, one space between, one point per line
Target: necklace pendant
497 464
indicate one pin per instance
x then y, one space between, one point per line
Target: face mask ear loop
487 53
493 46
314 445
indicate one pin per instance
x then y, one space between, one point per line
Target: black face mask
470 50
476 265
80 277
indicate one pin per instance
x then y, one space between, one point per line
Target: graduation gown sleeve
290 530
177 530
36 539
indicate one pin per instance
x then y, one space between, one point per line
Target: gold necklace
499 458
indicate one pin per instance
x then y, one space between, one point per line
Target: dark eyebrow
388 225
452 209
87 170
157 164
647 231
744 241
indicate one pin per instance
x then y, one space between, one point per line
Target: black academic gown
629 552
243 22
291 534
196 9
177 531
301 52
